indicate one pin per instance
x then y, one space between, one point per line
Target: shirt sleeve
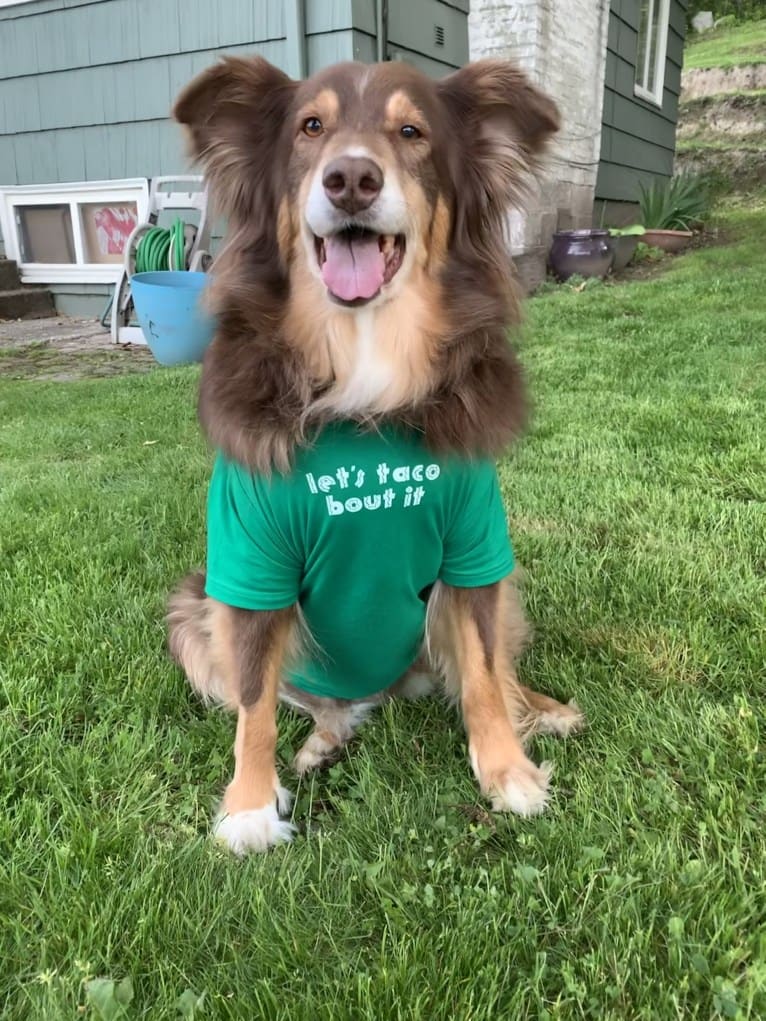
477 549
250 563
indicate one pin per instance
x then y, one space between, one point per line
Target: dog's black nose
352 183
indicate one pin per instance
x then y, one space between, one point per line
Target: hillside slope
722 116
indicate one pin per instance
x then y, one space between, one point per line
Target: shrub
677 204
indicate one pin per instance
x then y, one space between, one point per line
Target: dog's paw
416 686
256 829
314 754
567 719
522 789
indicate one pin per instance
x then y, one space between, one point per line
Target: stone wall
561 44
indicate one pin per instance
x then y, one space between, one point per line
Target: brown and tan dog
365 279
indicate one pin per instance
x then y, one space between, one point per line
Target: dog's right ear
235 113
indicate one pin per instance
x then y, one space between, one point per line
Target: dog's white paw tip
307 759
567 719
578 716
257 829
417 686
523 790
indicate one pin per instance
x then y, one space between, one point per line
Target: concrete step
26 303
9 275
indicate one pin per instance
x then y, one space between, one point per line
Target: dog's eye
312 127
409 131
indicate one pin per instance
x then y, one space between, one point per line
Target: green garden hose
161 248
151 249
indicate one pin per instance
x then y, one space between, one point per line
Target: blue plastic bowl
174 322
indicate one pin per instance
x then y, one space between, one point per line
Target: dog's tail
190 640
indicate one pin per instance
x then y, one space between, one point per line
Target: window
61 233
45 234
106 228
652 47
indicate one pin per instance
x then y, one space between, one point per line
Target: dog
358 391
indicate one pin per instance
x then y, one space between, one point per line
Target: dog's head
363 175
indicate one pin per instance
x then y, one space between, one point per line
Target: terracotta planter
582 252
667 240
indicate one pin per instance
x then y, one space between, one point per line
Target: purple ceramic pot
586 253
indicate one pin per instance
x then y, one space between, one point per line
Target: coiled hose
158 248
161 248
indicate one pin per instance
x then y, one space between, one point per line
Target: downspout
295 38
381 30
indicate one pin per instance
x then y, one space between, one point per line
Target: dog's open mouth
357 262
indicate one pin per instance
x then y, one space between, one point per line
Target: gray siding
86 87
412 33
637 137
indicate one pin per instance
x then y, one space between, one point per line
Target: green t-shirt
356 534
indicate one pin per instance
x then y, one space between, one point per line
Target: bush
677 204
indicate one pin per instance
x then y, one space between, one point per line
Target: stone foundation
561 44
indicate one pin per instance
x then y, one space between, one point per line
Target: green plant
109 1000
647 253
634 230
574 283
677 204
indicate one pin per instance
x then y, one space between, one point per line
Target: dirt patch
713 81
46 361
740 116
737 169
64 349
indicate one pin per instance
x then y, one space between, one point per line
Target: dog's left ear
503 122
235 113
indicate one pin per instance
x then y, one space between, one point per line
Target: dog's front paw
522 788
256 829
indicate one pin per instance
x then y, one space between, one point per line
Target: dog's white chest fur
371 372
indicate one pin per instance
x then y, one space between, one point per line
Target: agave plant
677 204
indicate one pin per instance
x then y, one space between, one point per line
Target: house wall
412 33
561 44
86 85
638 138
85 88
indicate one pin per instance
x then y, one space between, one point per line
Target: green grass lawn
637 505
728 47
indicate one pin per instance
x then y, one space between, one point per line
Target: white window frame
13 3
660 8
74 195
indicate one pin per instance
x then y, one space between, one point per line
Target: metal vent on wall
439 35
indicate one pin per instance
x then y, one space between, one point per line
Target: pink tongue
353 268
